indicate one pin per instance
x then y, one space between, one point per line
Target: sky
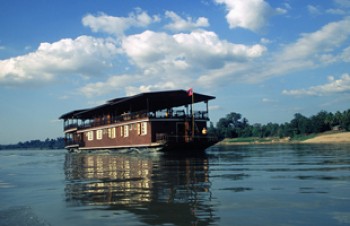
264 59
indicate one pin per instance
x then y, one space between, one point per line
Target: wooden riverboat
167 120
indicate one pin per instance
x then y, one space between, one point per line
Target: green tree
320 122
300 125
337 119
232 126
345 121
257 130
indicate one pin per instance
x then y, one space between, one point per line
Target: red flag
190 92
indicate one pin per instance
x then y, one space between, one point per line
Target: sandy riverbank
341 137
328 137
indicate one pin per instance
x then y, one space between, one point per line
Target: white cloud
83 55
325 40
200 57
117 25
333 86
311 50
166 61
198 49
336 11
287 5
341 7
180 24
315 10
167 85
343 3
265 41
268 100
249 14
345 55
113 83
123 82
184 58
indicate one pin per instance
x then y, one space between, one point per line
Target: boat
162 120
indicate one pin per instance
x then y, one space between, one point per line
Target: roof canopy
151 101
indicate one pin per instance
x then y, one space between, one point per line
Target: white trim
123 146
117 124
71 130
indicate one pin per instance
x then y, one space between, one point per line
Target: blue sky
265 59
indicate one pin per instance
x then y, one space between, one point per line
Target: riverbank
335 137
328 137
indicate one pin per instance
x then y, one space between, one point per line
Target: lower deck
144 133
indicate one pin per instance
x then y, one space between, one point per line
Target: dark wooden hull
192 146
198 145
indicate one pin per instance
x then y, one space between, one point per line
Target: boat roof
151 101
71 114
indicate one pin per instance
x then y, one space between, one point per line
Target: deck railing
71 126
203 115
72 142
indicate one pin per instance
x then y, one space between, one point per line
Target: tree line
57 143
234 125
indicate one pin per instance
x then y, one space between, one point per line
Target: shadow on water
158 189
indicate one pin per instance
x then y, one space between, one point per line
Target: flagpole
191 93
192 115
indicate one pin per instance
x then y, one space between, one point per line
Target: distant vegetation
57 143
236 126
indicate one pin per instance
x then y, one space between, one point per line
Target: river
228 185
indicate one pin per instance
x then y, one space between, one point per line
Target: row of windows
124 131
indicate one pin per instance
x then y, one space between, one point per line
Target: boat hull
191 146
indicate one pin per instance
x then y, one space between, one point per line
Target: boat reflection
159 190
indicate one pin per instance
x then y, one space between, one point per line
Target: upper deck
164 105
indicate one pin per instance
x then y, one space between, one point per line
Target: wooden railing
203 115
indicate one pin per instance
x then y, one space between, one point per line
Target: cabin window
144 128
90 135
99 134
111 133
126 131
122 131
138 128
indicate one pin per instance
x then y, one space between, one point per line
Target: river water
238 185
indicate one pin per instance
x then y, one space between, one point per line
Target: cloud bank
84 56
333 86
182 51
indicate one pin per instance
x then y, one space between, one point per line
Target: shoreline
323 138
